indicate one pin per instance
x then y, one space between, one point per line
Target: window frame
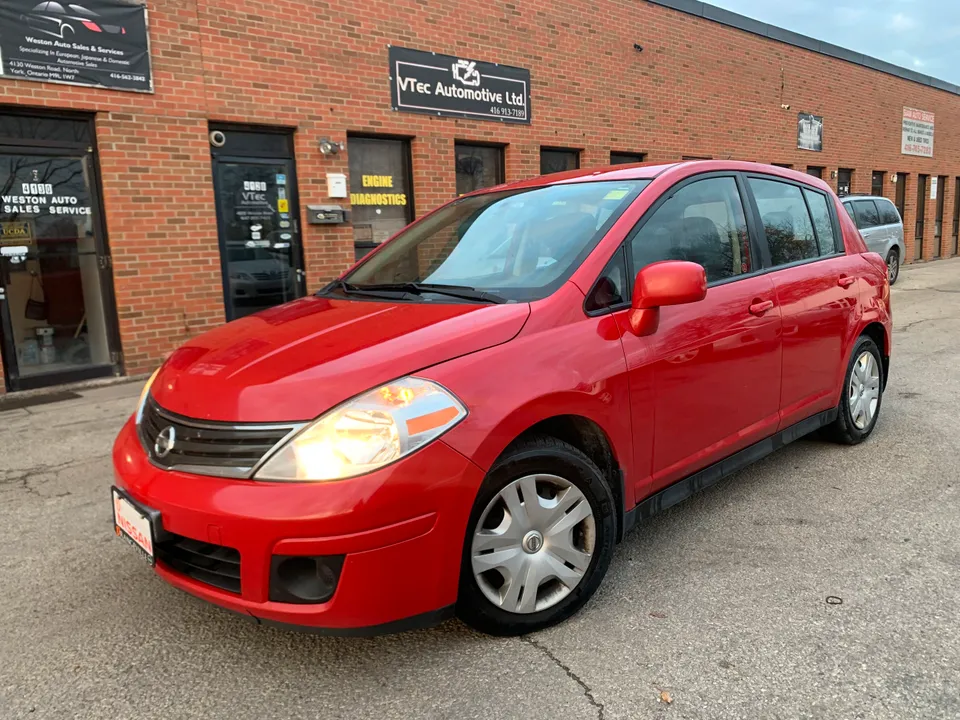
758 222
577 153
502 169
625 246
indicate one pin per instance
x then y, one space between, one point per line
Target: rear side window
866 213
827 235
702 222
888 213
786 221
849 208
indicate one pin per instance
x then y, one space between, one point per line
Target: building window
625 158
553 160
815 171
695 157
844 181
380 190
783 165
876 183
478 166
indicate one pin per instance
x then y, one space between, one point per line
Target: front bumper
401 530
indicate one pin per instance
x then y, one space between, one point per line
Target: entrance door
255 182
844 181
57 321
921 214
938 223
956 217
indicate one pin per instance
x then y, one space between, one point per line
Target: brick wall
698 88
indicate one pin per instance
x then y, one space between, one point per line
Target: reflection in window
786 221
704 223
478 166
866 212
830 241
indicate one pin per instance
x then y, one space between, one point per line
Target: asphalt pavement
823 582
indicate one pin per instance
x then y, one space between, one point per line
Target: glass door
259 233
55 321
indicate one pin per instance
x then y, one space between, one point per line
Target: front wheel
539 540
893 265
862 394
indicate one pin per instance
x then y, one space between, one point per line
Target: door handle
759 307
846 281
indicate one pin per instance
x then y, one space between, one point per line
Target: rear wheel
539 540
862 395
893 265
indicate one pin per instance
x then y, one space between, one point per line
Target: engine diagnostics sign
425 82
98 43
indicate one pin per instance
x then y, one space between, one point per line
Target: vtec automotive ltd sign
426 82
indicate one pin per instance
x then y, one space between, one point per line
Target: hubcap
893 266
533 543
864 391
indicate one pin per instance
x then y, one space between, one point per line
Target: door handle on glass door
759 307
846 281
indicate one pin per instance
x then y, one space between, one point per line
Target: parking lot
821 583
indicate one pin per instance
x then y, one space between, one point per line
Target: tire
848 428
893 265
566 478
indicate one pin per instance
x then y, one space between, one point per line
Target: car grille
215 565
205 447
271 275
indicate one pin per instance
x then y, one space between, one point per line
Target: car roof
653 170
864 196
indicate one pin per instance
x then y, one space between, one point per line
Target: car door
706 383
816 289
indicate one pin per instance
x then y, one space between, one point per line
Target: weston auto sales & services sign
98 43
426 82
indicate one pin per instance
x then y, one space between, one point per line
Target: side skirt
682 489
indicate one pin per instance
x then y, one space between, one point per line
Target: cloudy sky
923 35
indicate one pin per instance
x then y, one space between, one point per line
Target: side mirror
671 282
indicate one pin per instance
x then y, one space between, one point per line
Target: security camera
217 138
785 107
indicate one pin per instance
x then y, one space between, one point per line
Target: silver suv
881 227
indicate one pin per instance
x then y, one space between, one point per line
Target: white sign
917 133
336 185
933 188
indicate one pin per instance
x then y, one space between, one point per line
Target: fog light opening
304 579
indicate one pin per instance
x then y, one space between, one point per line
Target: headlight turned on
366 433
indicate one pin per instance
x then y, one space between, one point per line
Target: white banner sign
917 134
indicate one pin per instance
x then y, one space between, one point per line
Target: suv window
827 234
702 222
888 213
849 208
786 221
866 212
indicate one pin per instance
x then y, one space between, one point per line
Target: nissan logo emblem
165 441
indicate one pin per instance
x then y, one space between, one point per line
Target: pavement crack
587 690
918 322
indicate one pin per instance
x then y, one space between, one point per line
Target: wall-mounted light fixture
833 174
894 178
329 147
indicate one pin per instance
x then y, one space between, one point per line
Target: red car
472 417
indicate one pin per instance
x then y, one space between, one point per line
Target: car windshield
516 244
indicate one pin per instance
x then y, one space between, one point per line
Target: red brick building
194 196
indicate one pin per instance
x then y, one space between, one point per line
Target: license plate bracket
135 523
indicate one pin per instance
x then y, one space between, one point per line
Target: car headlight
366 433
144 393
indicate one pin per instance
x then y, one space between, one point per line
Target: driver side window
702 222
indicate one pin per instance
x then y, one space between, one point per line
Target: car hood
298 360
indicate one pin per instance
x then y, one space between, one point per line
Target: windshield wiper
346 288
464 292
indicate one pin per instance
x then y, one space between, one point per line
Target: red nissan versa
472 417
